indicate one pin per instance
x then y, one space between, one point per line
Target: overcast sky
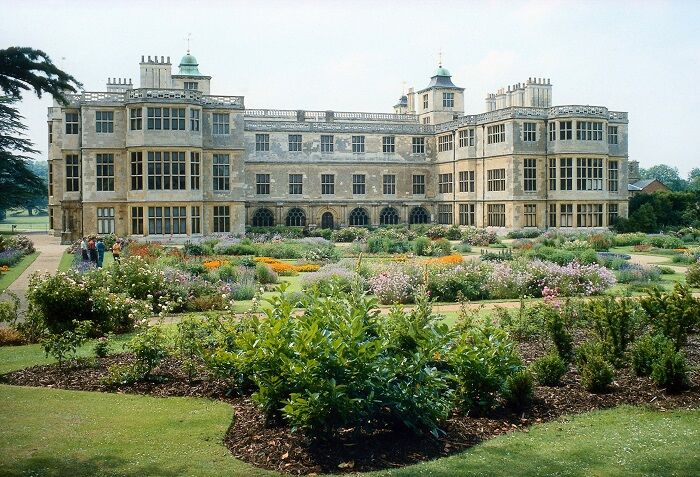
637 56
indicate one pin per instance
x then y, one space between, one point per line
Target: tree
694 179
666 174
24 69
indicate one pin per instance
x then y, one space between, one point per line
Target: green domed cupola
442 72
189 66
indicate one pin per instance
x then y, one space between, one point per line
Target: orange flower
447 260
213 264
309 267
4 268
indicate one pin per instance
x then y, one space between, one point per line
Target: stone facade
175 161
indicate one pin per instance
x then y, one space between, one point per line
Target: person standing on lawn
84 249
92 250
100 246
117 251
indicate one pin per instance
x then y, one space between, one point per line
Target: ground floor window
137 220
388 216
263 218
167 220
196 220
358 217
566 215
530 215
445 214
105 220
589 215
296 218
222 218
466 214
496 215
552 215
418 215
613 213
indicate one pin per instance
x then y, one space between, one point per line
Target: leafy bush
646 350
549 369
670 370
664 241
101 348
478 237
349 234
393 285
562 339
523 234
452 283
64 345
600 242
265 274
149 347
692 276
519 389
337 365
330 276
674 314
18 242
420 246
482 360
596 373
387 245
638 273
625 240
614 321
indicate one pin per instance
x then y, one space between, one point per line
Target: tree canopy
670 176
24 69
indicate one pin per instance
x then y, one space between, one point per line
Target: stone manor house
170 159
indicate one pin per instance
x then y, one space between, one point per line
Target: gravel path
50 253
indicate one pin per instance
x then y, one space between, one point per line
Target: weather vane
440 58
188 42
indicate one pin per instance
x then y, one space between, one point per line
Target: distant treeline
661 211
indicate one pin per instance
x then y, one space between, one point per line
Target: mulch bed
272 445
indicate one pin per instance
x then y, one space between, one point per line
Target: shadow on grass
69 466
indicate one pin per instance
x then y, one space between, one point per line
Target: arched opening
263 218
327 220
358 217
295 218
418 215
388 216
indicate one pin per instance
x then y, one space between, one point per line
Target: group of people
93 250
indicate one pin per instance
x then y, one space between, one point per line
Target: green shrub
101 348
387 245
670 370
625 240
519 389
149 347
549 369
265 274
646 350
482 360
692 276
349 234
600 242
340 364
420 246
63 345
596 373
674 314
614 321
455 283
664 241
190 341
562 339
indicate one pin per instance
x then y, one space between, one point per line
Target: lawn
51 432
7 278
24 222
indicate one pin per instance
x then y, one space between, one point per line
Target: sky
637 56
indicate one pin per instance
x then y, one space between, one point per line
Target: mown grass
7 278
51 432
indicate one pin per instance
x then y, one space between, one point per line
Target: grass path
7 278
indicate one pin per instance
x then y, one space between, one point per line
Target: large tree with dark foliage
24 69
661 211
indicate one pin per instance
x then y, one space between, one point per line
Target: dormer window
191 85
448 100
